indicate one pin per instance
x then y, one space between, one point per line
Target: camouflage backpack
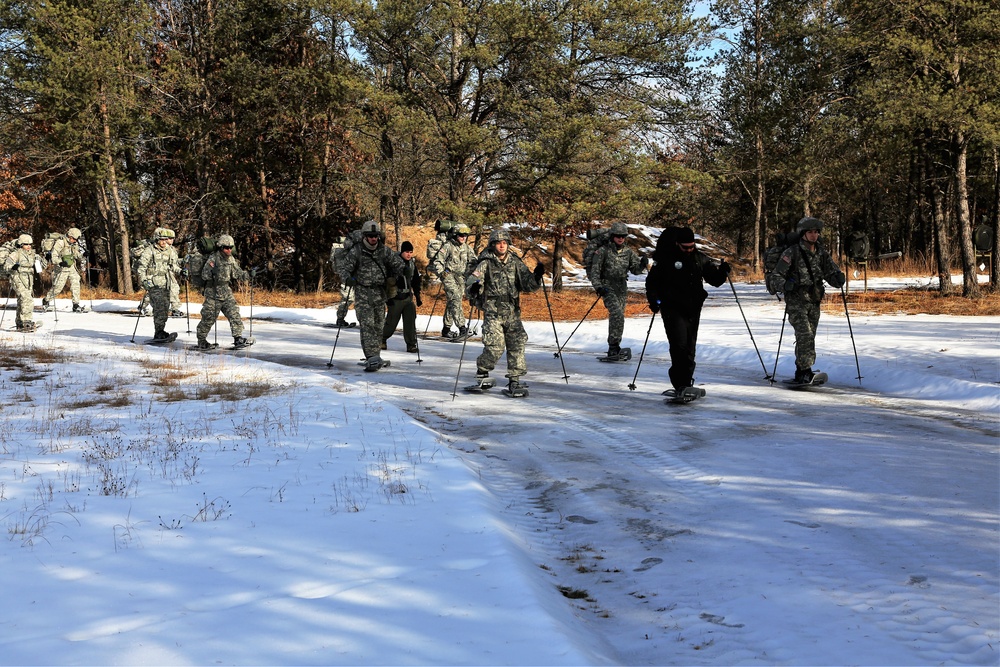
771 256
195 261
596 238
49 242
5 250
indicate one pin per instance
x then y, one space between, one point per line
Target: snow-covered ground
163 506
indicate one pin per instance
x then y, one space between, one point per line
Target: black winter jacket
675 281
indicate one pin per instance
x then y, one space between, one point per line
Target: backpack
771 256
136 252
5 250
596 239
194 262
341 247
858 247
49 242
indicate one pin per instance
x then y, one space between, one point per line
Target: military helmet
167 233
158 233
499 234
74 233
619 229
225 241
24 239
369 227
461 228
805 224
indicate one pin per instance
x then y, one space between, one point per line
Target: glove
789 286
419 302
184 272
602 291
654 307
350 281
253 272
838 280
725 268
475 289
539 271
643 263
148 283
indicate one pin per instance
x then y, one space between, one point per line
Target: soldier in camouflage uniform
800 273
157 268
218 271
497 281
610 267
175 285
369 266
22 264
451 264
67 256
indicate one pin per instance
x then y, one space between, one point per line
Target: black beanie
406 247
684 235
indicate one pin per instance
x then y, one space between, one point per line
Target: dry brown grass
913 302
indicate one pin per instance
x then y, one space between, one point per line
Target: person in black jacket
403 301
674 289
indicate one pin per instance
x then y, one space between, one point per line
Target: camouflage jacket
807 269
502 280
158 264
611 265
454 257
218 271
371 268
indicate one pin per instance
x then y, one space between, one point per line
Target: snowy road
757 525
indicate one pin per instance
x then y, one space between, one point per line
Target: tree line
287 122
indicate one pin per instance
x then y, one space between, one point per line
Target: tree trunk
117 215
935 197
994 269
970 280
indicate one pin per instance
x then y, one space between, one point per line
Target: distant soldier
218 271
610 266
403 301
175 285
68 259
369 265
22 264
452 262
497 281
800 273
157 268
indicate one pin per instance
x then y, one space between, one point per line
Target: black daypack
771 256
858 247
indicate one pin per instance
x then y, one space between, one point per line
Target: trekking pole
137 320
735 296
465 341
337 339
631 387
10 290
187 300
778 353
562 362
857 363
433 306
566 342
251 305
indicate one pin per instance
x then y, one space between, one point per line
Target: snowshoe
685 395
176 313
372 364
482 384
623 354
28 327
344 324
812 379
241 342
79 308
205 346
162 338
516 390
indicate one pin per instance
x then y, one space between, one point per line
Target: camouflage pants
159 297
454 291
370 309
346 299
226 304
502 328
803 315
23 283
614 301
60 277
175 294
